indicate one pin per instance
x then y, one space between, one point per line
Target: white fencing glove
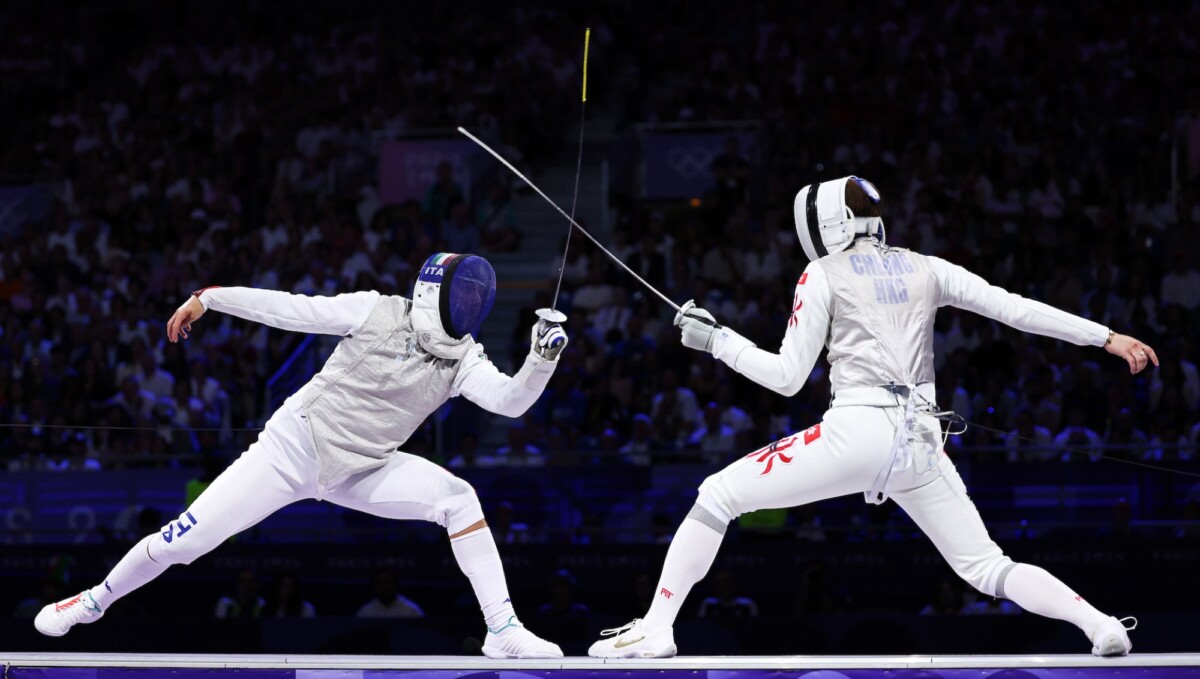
698 326
548 339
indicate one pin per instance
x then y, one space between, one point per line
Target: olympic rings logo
690 161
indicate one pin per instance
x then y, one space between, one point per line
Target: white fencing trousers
843 455
281 468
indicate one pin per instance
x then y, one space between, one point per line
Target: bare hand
181 321
1137 354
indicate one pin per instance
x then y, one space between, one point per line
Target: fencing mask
824 223
452 296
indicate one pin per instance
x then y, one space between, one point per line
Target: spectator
761 266
245 602
1029 441
1181 285
574 270
388 602
1077 438
732 416
564 609
137 403
498 223
1168 443
674 407
469 454
1175 371
739 307
731 171
641 445
504 526
808 524
1124 432
519 452
444 194
816 594
720 263
595 293
725 603
154 379
949 599
613 317
648 262
712 436
460 234
287 601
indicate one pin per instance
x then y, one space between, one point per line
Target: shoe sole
497 654
54 633
668 652
1113 646
49 633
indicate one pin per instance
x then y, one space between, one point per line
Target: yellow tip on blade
587 39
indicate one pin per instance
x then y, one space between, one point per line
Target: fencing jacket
379 385
873 306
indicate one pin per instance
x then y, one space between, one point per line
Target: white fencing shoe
632 641
55 619
514 641
1111 637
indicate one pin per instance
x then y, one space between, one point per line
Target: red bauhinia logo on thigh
812 434
774 452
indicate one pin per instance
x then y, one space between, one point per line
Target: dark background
150 150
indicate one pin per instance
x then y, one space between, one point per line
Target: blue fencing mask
451 298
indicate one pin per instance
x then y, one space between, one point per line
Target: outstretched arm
786 371
341 315
965 290
484 385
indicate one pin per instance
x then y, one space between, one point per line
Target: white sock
135 569
1037 591
480 561
692 552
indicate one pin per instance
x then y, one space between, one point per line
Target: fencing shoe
1111 637
512 640
55 619
632 641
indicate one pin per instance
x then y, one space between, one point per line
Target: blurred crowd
1031 144
233 147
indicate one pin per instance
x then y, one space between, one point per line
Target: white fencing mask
824 223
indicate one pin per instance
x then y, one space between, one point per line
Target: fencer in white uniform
338 438
873 306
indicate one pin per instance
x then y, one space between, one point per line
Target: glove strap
727 345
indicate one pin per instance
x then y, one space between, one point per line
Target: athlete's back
882 302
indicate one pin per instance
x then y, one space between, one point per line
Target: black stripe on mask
814 227
444 297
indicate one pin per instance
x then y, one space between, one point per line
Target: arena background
150 149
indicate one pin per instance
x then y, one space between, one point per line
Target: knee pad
987 574
717 501
182 541
458 506
704 516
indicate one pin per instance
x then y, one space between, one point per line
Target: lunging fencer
873 306
338 438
